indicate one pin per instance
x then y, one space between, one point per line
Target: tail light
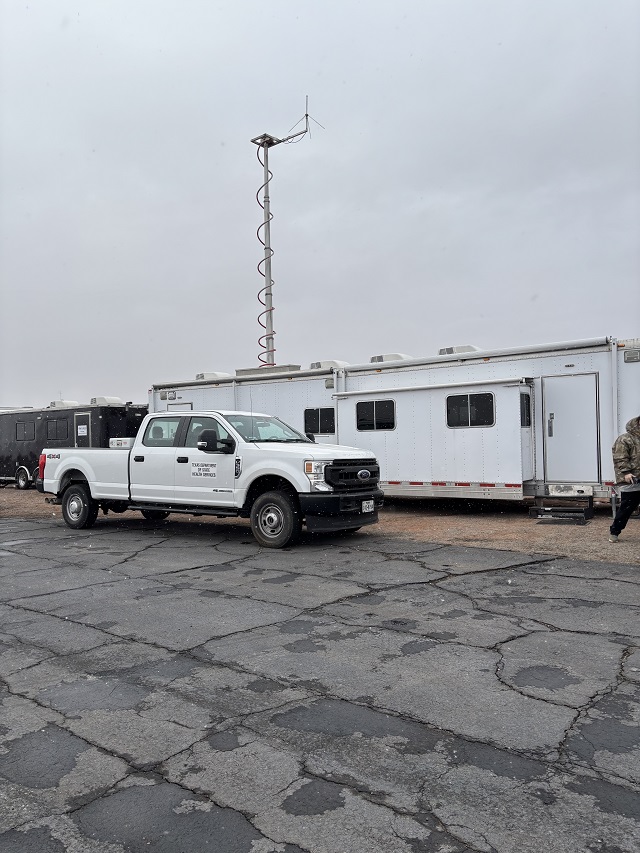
41 463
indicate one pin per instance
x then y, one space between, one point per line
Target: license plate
367 506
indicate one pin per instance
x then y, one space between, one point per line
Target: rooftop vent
63 404
212 377
106 401
455 350
327 365
268 369
390 356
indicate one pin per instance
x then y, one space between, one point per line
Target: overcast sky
478 182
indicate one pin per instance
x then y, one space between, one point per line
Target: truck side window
525 410
376 414
196 426
470 410
160 432
320 421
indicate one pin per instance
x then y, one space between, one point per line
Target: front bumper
339 510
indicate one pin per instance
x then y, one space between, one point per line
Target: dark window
57 429
25 431
197 425
160 432
320 421
376 414
525 410
470 410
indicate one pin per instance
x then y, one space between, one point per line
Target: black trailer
24 432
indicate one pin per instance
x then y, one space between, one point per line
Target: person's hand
628 478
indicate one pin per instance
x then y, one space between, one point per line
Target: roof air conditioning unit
212 377
327 365
455 350
390 356
63 404
106 401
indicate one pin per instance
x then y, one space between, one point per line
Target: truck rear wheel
275 520
79 510
22 479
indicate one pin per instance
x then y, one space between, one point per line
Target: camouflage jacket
626 451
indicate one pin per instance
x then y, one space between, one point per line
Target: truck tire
79 510
154 514
22 479
275 520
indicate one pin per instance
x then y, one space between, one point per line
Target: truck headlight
315 473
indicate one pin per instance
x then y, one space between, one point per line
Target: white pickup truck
218 463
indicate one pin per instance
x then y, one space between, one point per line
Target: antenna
265 297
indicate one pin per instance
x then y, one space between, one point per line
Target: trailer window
57 429
320 421
25 431
470 410
376 414
525 410
160 432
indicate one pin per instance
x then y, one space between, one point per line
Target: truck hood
316 452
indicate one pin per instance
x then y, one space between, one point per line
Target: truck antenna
266 356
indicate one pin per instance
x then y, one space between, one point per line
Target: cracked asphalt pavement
175 687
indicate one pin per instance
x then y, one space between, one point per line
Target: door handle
183 458
550 425
138 458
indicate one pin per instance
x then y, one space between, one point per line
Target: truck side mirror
208 441
311 436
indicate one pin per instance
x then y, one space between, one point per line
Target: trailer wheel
275 520
79 510
22 479
154 514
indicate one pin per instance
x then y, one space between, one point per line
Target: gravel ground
481 524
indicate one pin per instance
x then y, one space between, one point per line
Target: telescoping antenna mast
266 356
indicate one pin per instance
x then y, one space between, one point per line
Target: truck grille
342 474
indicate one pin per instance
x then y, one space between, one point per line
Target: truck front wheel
275 520
79 510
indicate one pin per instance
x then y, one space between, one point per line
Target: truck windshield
264 428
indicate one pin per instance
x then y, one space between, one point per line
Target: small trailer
64 423
535 421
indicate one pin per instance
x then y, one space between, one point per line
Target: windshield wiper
282 440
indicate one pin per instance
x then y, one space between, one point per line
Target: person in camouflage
626 461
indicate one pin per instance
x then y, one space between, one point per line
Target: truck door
82 429
202 477
152 463
571 437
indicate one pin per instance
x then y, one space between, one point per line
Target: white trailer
535 421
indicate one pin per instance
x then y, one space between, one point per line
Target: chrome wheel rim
271 520
75 506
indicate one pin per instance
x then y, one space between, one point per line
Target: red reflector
462 484
395 482
41 463
609 484
513 485
416 483
438 484
489 485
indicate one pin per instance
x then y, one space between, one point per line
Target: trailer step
580 514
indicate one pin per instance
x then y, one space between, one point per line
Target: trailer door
571 436
82 429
